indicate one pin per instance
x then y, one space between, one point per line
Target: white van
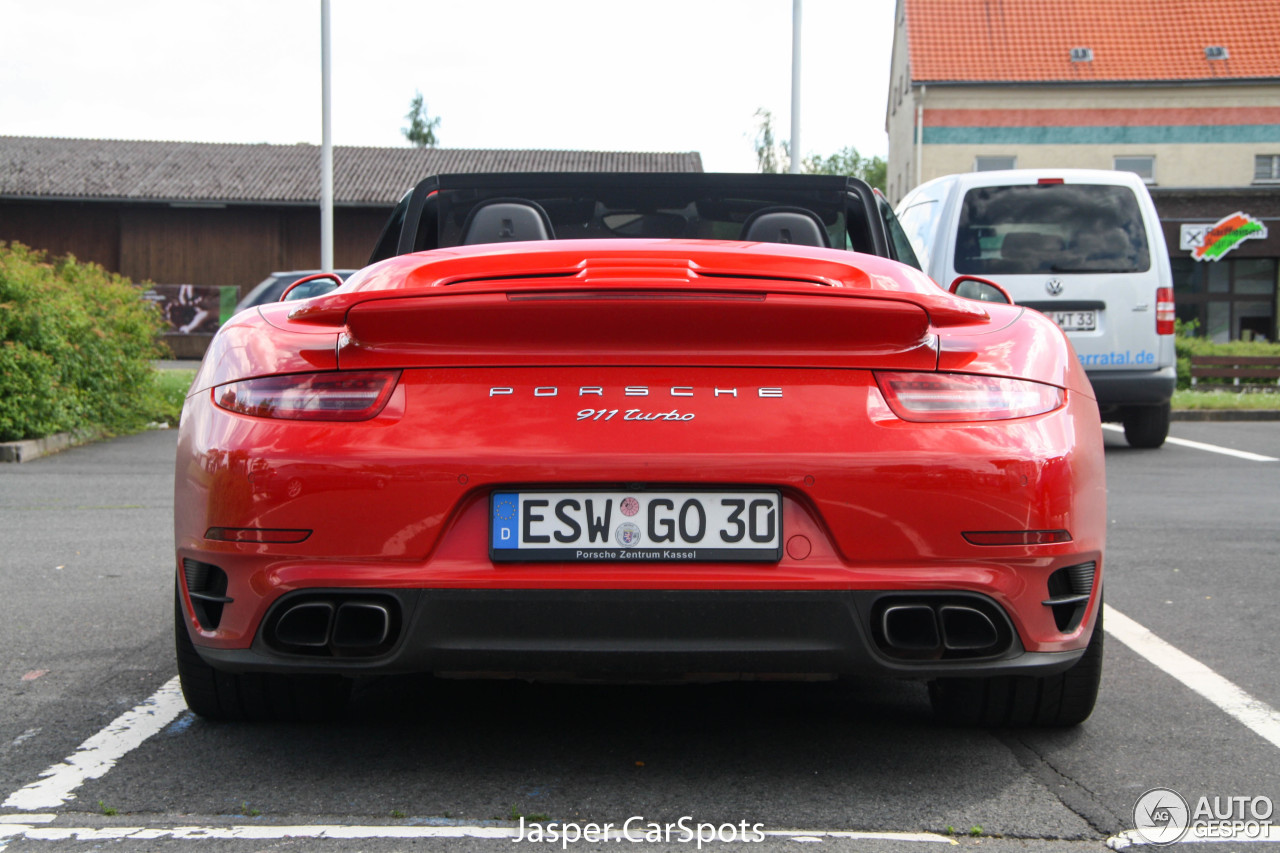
1082 246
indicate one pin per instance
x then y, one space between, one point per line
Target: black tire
252 696
1146 426
1065 699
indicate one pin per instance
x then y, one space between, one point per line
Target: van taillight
1164 311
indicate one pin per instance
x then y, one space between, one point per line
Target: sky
657 75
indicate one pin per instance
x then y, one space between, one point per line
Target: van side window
919 221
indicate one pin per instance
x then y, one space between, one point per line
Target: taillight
353 396
949 397
1165 312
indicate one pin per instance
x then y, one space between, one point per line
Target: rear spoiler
634 266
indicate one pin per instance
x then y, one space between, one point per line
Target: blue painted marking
181 724
1102 135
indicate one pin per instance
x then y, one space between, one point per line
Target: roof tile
1031 40
215 172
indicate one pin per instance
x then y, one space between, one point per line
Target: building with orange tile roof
1184 92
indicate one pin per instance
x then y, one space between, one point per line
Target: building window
1232 299
991 164
1266 168
1142 165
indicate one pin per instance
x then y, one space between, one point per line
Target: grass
171 390
534 817
1223 399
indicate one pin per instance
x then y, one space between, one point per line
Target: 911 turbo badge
634 415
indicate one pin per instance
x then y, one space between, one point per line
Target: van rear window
1039 228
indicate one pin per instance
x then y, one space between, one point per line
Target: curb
1225 415
34 448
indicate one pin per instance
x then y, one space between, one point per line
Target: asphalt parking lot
97 750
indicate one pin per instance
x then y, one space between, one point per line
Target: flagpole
795 87
326 146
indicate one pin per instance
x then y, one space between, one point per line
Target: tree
421 130
773 156
847 161
770 157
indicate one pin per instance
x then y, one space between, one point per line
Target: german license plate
1075 321
663 526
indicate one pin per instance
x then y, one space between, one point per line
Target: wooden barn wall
91 232
198 246
354 233
208 246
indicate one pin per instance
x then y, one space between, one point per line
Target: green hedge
76 344
1188 346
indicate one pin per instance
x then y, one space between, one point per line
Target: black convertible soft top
819 210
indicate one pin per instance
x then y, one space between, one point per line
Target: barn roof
235 173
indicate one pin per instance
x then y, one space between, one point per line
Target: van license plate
1075 321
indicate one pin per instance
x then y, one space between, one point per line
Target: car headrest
506 220
1023 245
1106 244
785 225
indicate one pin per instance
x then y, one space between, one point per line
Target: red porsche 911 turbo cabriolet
641 427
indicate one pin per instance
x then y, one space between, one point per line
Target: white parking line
1132 838
1211 448
1254 713
1257 715
99 754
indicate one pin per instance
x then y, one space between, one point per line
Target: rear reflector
1165 311
1016 537
349 396
951 397
256 534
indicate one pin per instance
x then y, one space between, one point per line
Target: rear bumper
638 634
1133 387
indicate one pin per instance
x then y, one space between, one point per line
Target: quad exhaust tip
361 625
334 626
942 628
306 625
966 628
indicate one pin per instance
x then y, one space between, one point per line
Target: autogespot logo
1161 816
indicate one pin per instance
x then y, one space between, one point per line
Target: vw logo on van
1054 286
